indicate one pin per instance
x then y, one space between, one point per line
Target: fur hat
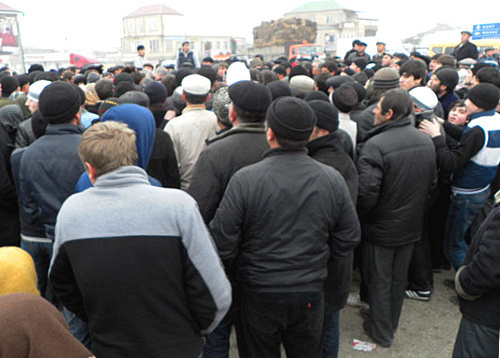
221 105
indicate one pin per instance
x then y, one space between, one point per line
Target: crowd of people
156 208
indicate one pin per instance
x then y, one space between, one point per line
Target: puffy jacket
397 173
280 221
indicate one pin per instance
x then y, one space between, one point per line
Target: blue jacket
49 170
139 119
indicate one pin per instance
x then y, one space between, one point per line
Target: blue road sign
486 31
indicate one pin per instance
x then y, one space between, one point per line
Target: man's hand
431 128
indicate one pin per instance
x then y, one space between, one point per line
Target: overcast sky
97 25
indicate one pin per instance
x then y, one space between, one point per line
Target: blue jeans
41 252
463 209
331 333
217 342
79 329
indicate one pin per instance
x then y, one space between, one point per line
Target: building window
329 19
226 47
154 45
131 26
141 27
153 25
217 45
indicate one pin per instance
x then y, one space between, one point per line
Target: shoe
354 300
418 295
454 299
449 283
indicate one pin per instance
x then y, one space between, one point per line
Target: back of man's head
447 60
250 100
292 121
489 74
399 101
107 146
104 89
59 102
9 85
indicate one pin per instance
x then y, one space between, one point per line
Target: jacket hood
142 121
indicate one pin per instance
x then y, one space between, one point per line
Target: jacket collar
282 151
326 142
65 128
406 121
482 114
240 128
123 176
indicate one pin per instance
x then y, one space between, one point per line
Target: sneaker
354 300
449 283
418 295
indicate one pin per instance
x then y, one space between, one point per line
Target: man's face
407 82
435 85
465 37
221 71
142 52
377 111
32 105
361 48
386 60
380 48
354 67
489 53
185 48
471 107
432 65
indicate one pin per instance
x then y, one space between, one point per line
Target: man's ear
389 114
91 172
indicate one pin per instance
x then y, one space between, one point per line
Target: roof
318 6
7 8
159 9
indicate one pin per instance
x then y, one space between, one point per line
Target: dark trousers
331 335
475 341
420 271
294 319
385 272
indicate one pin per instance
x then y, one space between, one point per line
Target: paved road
426 329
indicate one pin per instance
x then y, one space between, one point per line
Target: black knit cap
291 118
338 81
484 95
279 89
156 92
361 62
297 71
345 98
59 102
250 96
448 77
327 116
317 95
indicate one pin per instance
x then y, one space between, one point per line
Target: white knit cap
236 72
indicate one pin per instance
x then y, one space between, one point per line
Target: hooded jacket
139 119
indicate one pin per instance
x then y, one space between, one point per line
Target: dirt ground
426 329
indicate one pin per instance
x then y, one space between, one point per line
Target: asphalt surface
426 329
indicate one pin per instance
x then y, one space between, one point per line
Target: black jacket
225 154
397 173
280 221
478 281
467 50
338 282
163 164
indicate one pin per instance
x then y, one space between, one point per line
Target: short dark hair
417 68
331 66
208 72
447 60
104 89
249 117
140 47
195 98
321 79
489 74
280 70
399 101
185 42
